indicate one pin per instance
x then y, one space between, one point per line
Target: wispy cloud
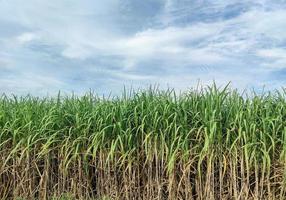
273 59
26 37
29 83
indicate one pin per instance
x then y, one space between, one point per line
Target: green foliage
199 128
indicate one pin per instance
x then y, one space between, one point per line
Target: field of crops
212 143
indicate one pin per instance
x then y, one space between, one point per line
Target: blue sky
72 45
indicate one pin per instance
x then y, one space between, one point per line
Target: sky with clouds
72 45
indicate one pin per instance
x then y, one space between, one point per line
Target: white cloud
168 40
170 43
5 64
134 77
30 83
26 37
198 43
276 53
274 58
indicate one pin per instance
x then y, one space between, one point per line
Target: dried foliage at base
205 144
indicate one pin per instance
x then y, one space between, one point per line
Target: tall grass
204 144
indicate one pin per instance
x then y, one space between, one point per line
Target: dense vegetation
203 144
